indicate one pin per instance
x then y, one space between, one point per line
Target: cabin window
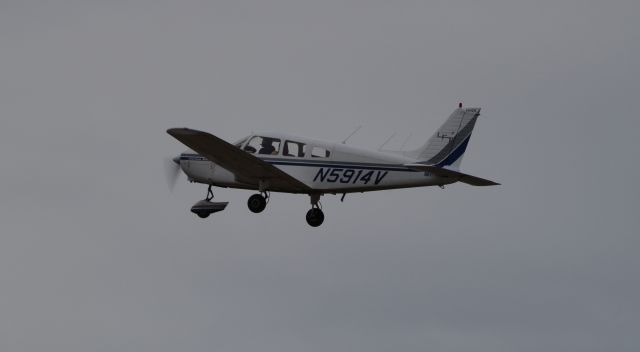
292 148
263 145
320 152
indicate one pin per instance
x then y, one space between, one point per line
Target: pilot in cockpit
267 147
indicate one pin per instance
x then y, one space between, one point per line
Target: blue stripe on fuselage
310 163
342 165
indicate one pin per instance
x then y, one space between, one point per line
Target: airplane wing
245 166
448 173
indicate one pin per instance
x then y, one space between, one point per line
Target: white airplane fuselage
276 162
347 169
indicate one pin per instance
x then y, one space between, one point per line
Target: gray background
97 255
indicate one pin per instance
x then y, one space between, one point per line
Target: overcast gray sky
97 255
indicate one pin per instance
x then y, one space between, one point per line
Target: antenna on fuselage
387 141
405 141
352 133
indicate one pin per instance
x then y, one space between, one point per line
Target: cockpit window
319 152
263 145
292 148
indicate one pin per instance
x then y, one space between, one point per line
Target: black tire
315 217
203 215
257 203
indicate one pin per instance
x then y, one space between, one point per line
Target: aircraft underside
321 180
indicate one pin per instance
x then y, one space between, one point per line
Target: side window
292 148
263 145
319 152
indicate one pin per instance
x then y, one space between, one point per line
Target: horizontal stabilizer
448 173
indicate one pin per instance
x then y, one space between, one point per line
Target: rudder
447 146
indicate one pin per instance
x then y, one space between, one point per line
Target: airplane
277 162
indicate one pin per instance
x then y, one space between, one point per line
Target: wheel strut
209 194
315 200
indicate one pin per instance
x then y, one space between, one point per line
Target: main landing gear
206 207
315 216
258 202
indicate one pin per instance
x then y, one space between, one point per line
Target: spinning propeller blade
171 171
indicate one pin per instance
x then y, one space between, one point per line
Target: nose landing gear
206 207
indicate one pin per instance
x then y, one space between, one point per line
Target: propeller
171 171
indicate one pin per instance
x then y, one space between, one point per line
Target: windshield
263 145
240 142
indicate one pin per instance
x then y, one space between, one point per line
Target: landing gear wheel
206 207
203 215
257 203
315 217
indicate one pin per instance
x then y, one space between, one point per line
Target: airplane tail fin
447 146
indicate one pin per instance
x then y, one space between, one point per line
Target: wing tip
176 129
477 181
181 131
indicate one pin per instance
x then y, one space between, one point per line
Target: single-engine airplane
275 162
